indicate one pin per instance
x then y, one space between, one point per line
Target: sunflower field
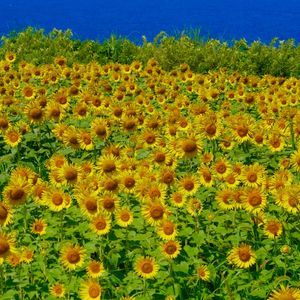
129 181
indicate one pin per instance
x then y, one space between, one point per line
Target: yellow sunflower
39 226
171 249
285 293
166 230
101 224
7 244
154 212
72 256
254 200
12 137
90 290
273 228
16 192
146 267
242 256
6 214
95 269
124 217
203 273
253 175
57 290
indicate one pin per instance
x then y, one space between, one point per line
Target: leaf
182 267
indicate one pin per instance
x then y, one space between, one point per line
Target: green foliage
279 58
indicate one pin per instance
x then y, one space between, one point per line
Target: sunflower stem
25 218
144 287
292 135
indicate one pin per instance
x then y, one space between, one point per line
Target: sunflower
254 200
232 180
188 147
291 199
101 224
55 199
88 203
295 161
12 137
10 57
95 269
285 293
203 273
27 255
14 259
110 184
34 112
85 140
154 212
69 174
160 156
108 164
178 198
166 230
146 267
148 138
188 184
6 214
124 217
7 244
167 176
16 192
242 256
194 206
206 176
225 199
70 136
128 181
72 256
171 249
28 92
273 228
39 226
253 175
109 202
222 168
90 290
57 290
276 142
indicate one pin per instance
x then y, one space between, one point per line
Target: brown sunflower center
17 194
156 212
71 174
252 177
273 227
286 295
91 205
188 185
100 224
38 227
255 200
109 166
129 182
167 177
242 131
189 146
4 247
221 168
73 256
57 198
244 254
147 267
100 130
109 204
160 157
13 136
211 129
94 267
36 113
111 184
150 138
168 228
125 216
170 248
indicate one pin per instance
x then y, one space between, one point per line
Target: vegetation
279 58
128 181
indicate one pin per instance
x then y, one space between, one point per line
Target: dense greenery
279 58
